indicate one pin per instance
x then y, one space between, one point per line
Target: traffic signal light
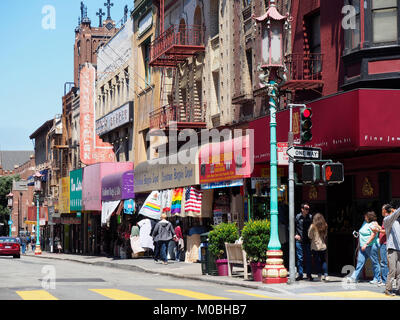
333 173
305 125
310 173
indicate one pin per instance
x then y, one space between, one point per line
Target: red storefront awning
362 119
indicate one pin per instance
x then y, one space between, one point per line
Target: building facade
115 93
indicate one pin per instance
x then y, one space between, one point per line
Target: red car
10 247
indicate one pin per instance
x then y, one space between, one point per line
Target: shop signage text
115 119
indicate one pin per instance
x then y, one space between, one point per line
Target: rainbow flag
177 201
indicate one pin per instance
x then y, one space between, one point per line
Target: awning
362 119
91 182
226 161
180 170
118 186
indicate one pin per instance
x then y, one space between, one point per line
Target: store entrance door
341 243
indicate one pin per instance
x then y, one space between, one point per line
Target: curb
204 278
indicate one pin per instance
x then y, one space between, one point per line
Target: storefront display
92 200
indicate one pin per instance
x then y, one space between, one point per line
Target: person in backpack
162 234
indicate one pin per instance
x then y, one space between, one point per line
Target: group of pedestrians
157 237
386 239
25 241
311 234
380 243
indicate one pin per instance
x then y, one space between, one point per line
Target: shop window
384 21
353 36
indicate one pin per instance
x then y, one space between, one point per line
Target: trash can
208 265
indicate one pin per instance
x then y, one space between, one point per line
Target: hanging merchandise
166 201
176 207
146 240
152 206
129 206
107 210
193 199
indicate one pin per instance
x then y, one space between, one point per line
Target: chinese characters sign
93 149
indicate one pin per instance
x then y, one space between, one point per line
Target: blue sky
35 63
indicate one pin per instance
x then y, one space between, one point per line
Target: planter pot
222 267
256 270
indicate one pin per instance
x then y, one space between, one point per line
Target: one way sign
304 153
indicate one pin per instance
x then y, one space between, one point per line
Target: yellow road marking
350 294
36 295
116 294
256 295
193 294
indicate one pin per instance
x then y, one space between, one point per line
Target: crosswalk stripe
116 294
256 295
193 294
350 294
36 295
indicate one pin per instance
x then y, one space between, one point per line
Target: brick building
349 77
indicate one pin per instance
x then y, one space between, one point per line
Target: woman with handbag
317 233
369 245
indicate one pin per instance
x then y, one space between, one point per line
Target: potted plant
255 235
224 232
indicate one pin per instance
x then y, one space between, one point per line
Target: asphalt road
30 278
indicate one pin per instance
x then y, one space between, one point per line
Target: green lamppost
10 205
273 26
38 188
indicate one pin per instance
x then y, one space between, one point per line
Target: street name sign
305 153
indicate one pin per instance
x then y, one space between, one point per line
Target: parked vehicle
10 247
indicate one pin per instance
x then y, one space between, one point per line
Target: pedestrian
162 234
386 210
33 243
303 249
180 245
318 233
57 242
28 241
368 248
392 227
23 243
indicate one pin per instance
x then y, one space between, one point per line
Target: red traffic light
307 113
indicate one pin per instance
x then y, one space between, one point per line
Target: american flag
193 198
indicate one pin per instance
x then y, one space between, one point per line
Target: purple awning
118 186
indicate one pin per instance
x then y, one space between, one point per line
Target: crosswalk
117 294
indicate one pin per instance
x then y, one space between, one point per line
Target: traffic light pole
292 250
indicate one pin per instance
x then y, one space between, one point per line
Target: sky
36 61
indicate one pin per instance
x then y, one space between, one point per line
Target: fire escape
171 48
304 70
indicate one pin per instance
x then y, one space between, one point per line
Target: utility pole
292 249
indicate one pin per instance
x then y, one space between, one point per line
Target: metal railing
183 113
177 35
304 66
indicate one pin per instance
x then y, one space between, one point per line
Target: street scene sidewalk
193 271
